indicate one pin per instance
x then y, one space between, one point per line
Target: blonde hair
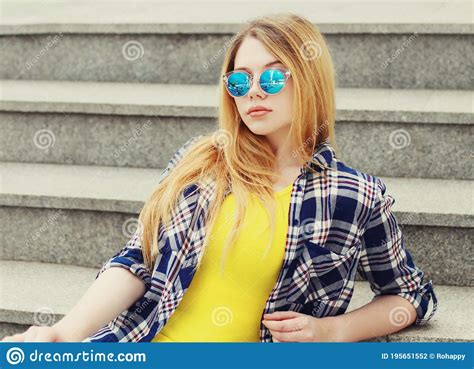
246 162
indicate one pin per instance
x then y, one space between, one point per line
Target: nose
255 89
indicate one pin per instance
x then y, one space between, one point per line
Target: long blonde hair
236 158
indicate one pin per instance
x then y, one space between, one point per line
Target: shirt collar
323 156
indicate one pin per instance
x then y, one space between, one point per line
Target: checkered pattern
340 223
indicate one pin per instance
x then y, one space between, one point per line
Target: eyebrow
266 65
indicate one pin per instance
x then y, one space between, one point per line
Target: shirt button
297 222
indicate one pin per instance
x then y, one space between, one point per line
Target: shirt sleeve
388 265
130 256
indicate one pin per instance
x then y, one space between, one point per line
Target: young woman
256 231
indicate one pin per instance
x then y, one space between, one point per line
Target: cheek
241 104
284 102
288 93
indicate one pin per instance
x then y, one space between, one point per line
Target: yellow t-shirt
229 307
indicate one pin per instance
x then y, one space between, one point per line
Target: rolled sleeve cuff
139 270
424 301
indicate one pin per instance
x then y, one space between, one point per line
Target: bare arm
382 316
109 295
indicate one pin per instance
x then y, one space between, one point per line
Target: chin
264 127
260 127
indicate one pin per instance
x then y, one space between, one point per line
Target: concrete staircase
86 128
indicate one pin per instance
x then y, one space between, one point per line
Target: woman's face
253 57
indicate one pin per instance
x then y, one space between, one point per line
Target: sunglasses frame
225 77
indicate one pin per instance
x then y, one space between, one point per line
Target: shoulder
347 180
366 182
349 192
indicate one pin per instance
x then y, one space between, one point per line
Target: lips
258 108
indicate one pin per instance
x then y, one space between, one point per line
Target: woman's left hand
291 326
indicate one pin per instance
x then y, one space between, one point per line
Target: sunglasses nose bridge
255 83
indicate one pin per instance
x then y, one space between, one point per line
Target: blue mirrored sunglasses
271 81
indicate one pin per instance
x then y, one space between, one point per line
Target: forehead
253 55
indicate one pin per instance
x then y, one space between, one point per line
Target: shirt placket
196 241
290 249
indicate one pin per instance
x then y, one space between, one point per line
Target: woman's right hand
36 334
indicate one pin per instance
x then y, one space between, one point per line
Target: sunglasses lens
272 81
238 84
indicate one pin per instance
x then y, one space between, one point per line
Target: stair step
44 293
118 124
408 45
50 290
85 211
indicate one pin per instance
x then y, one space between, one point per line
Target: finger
288 325
295 336
30 334
15 338
280 315
43 336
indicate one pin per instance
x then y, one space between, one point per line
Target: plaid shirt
340 222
